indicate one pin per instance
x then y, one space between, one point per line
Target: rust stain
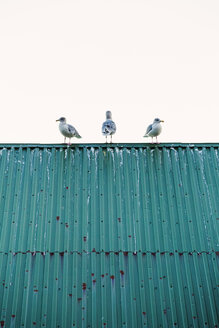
153 253
84 286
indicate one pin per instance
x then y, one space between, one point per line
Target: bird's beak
57 120
161 120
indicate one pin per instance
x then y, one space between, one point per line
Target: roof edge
113 145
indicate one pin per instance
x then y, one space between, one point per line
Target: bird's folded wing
72 130
105 128
108 127
113 126
149 128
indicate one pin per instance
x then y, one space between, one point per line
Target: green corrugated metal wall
109 235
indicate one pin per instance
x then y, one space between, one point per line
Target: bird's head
108 115
157 120
61 119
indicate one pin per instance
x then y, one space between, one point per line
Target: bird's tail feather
76 134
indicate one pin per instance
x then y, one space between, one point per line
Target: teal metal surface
122 235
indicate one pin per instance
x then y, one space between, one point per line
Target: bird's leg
65 140
69 141
106 139
111 140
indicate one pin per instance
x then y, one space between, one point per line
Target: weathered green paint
122 235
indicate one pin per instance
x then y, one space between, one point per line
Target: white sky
140 59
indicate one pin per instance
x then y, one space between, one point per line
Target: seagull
67 130
154 129
108 127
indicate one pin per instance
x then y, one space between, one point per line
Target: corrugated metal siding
109 236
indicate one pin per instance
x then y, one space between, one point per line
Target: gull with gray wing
67 130
108 127
154 129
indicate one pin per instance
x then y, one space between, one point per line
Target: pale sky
140 59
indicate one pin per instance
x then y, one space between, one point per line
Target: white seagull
154 129
108 127
67 130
